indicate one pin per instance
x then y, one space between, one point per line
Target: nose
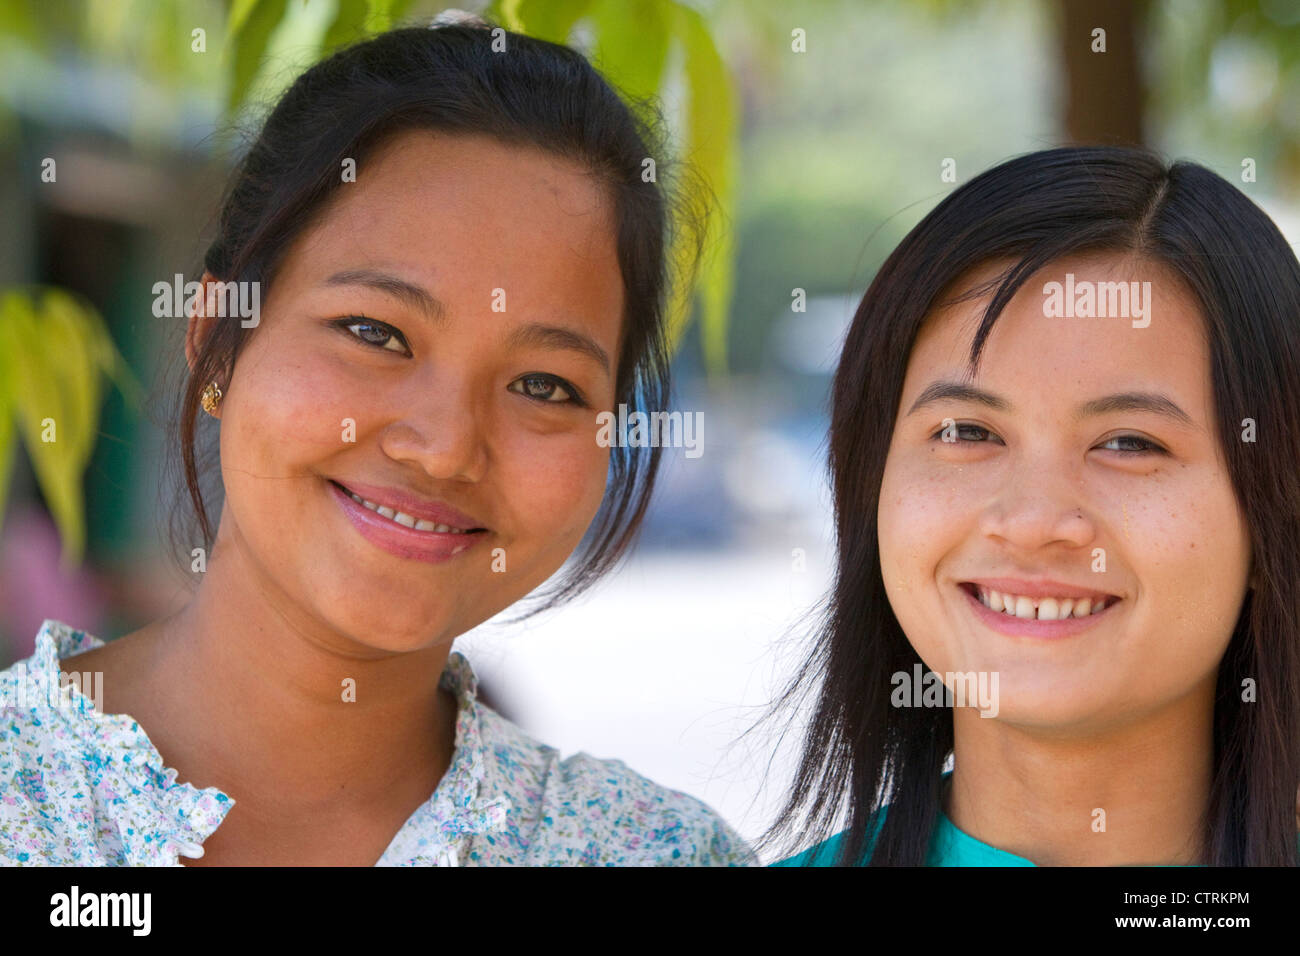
1039 507
437 428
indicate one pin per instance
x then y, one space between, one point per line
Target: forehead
1052 360
458 204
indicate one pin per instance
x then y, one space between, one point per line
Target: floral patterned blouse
82 788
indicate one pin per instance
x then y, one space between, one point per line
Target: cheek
284 414
923 516
553 483
1188 550
923 511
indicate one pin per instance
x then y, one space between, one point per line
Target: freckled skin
1040 502
1118 718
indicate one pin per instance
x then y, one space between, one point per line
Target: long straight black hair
860 752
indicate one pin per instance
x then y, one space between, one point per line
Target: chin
1046 711
388 632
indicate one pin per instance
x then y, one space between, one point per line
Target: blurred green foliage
55 353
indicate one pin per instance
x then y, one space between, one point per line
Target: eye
373 332
957 430
1147 446
546 388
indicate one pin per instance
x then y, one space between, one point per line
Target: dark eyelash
575 397
1149 446
349 320
957 428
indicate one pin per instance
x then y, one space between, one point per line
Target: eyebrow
1153 402
535 334
405 292
558 337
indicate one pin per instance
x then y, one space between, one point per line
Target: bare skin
1116 719
243 689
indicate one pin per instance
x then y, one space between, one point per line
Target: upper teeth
402 518
1042 609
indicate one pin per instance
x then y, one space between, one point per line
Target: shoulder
825 853
83 788
45 757
582 810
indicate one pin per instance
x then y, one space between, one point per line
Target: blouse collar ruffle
159 818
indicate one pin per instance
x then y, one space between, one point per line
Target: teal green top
948 847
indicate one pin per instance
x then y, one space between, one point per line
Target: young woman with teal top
1064 444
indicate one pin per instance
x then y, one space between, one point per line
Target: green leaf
355 20
380 16
53 348
632 44
18 22
247 38
551 20
506 13
40 392
710 147
69 335
349 24
239 12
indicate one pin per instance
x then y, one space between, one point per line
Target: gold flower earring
211 398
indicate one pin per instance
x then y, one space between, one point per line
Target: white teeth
402 518
1044 609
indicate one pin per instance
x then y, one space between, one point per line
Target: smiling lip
433 547
1032 627
399 500
1038 588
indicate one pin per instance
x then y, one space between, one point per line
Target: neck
278 709
1132 795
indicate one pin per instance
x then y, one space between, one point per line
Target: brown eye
379 334
544 388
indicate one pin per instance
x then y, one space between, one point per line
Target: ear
200 324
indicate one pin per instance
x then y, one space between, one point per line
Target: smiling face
1030 492
440 342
